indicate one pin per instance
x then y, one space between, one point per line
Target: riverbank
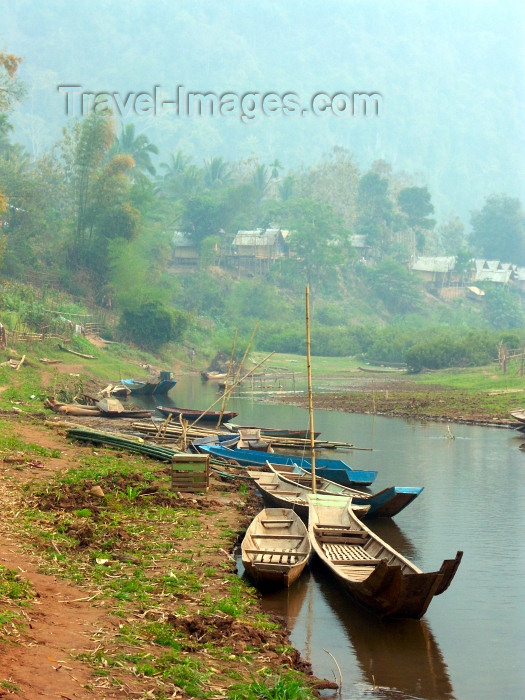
130 588
112 585
401 397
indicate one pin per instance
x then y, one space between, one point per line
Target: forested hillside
450 74
96 209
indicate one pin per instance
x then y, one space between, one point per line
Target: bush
152 324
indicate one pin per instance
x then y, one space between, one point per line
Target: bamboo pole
230 366
223 405
310 397
230 390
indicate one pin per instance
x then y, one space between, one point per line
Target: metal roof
438 264
257 237
499 276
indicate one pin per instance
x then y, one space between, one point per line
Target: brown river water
470 644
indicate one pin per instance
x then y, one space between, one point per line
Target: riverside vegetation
165 614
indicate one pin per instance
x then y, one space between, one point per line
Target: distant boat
224 439
384 370
194 414
147 387
333 469
369 569
276 547
213 376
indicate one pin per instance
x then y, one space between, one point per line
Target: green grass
285 687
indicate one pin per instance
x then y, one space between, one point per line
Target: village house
184 253
435 272
492 271
254 252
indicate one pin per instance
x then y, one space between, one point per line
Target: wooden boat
224 439
112 408
519 415
384 370
193 414
162 385
333 469
276 547
250 439
277 493
274 432
213 376
383 504
371 571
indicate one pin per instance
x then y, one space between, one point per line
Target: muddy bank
81 557
399 397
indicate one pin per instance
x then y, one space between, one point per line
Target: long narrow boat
276 547
333 469
383 504
148 387
277 493
224 439
192 414
371 571
274 432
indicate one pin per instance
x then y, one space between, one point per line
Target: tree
333 181
450 237
11 89
136 146
415 204
217 173
395 286
498 230
86 146
375 210
151 324
319 240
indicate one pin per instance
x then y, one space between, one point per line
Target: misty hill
450 75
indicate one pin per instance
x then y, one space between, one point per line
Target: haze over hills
450 76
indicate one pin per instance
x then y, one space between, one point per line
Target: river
470 643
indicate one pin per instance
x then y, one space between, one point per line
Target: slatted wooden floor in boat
345 548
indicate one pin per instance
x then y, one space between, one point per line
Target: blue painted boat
148 387
332 469
383 504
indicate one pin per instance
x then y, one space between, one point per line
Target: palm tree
286 188
181 177
276 166
138 147
260 179
216 172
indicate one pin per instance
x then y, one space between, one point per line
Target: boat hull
276 548
193 415
384 504
332 469
149 388
372 572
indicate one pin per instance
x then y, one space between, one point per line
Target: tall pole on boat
310 397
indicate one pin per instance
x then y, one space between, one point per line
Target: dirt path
60 621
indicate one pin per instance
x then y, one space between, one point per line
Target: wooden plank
279 537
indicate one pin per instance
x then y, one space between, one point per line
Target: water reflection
398 658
